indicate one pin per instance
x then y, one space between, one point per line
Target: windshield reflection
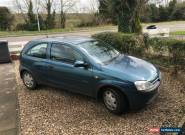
99 51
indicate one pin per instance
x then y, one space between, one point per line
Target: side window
64 53
38 51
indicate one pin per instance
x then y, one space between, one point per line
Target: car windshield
100 52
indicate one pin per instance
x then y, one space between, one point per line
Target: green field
71 26
178 33
54 31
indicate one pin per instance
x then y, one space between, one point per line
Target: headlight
143 85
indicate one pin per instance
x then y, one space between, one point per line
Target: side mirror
81 64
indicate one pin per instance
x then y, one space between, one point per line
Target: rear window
38 51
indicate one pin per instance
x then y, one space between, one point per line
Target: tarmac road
173 26
76 33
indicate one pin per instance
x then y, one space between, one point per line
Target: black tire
33 83
121 102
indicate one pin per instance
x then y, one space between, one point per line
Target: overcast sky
81 4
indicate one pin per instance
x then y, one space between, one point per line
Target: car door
35 61
61 70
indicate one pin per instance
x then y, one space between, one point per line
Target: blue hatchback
90 67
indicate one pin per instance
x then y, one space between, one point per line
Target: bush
92 20
179 14
29 27
172 49
6 18
126 43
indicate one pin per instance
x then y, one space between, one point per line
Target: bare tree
66 6
92 10
22 6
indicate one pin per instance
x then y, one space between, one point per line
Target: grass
28 33
53 31
178 33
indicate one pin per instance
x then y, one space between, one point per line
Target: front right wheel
114 101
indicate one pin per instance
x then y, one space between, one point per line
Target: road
173 26
16 43
76 33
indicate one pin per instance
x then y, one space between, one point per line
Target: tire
29 80
115 101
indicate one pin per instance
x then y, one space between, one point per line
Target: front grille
155 80
155 83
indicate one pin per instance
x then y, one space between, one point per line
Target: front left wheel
115 101
29 80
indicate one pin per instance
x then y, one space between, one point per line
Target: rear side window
65 53
38 51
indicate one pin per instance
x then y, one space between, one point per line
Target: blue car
90 67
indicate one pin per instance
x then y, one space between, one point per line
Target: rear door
61 70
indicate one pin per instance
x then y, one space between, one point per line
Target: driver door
61 70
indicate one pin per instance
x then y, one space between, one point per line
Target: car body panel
70 77
138 69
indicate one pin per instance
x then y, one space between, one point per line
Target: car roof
66 39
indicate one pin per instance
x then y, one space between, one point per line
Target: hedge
126 43
138 45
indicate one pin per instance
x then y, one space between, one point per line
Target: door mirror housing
81 64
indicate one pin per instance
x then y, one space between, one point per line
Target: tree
27 10
62 15
31 21
50 19
31 15
179 12
163 13
20 9
106 11
65 6
154 13
27 6
128 13
172 9
6 18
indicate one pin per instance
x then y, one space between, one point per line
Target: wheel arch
25 70
102 89
22 71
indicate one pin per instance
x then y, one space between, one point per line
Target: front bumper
138 100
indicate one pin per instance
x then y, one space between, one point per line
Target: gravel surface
54 111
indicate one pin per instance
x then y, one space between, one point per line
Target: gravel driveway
53 111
